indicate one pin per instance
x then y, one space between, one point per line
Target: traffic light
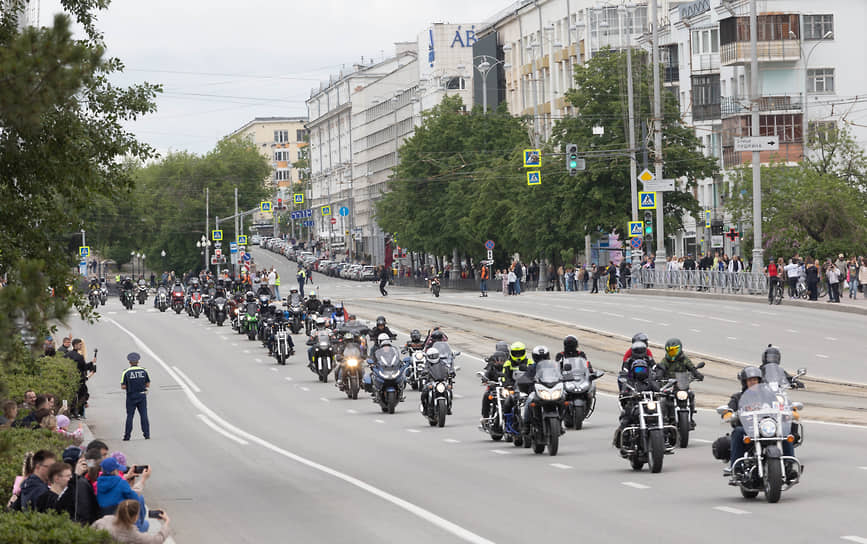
572 160
279 203
648 227
716 227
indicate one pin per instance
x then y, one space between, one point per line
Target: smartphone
156 514
91 463
65 404
138 469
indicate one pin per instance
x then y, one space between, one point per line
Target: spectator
585 277
34 417
812 272
10 412
519 275
59 474
513 278
48 349
862 275
36 483
80 500
272 281
66 344
773 279
62 429
852 277
85 370
29 401
594 273
832 273
121 525
792 273
111 489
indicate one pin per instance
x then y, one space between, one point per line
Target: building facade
281 140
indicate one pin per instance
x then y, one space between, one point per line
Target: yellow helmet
518 351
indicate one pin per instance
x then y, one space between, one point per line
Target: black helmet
570 344
750 372
639 350
499 357
673 348
380 321
250 296
502 345
437 335
640 337
541 353
415 335
771 356
639 370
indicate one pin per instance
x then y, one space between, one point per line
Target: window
820 130
816 26
787 127
281 155
820 80
281 136
300 135
706 97
283 175
455 83
705 41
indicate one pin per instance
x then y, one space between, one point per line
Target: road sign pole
758 254
657 135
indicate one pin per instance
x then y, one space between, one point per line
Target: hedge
56 375
14 444
54 528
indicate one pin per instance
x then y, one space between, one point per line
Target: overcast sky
222 63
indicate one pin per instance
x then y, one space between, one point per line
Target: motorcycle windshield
252 308
445 351
775 376
548 373
387 359
295 300
760 402
579 370
682 380
439 371
323 339
352 351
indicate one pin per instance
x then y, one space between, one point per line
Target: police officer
135 381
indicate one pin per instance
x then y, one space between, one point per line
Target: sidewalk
846 304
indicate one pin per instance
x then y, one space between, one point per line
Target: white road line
730 510
189 383
560 466
111 313
690 315
792 331
587 310
305 388
822 356
731 337
323 399
500 452
858 539
831 338
642 320
351 411
273 370
227 434
422 513
288 378
635 485
379 421
413 431
724 320
863 468
234 344
702 440
763 312
755 325
612 314
133 311
695 330
662 324
151 310
247 351
258 360
455 441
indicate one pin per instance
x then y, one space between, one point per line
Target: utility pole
657 135
217 227
758 256
207 229
633 166
234 257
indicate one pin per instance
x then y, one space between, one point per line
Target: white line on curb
858 539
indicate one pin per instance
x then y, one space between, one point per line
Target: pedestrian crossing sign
534 177
265 206
299 198
532 158
242 240
84 251
646 200
707 219
326 210
636 228
217 235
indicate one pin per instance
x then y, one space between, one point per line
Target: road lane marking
690 315
413 431
755 325
379 421
247 351
273 370
151 310
863 468
560 466
763 312
258 360
323 399
455 441
351 411
858 539
500 452
731 337
234 344
227 434
635 485
187 379
724 320
702 440
730 510
288 378
822 356
612 314
305 388
792 331
695 330
112 313
587 310
831 338
418 511
642 320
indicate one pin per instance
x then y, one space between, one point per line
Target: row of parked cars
349 271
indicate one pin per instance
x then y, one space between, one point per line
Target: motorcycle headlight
323 345
768 428
553 393
236 311
650 406
441 387
682 395
352 362
220 307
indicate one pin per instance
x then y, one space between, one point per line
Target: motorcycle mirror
721 410
457 353
797 405
598 374
480 374
801 372
621 379
700 365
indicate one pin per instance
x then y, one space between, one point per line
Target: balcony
738 53
731 106
778 39
671 74
706 62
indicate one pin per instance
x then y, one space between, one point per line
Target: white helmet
432 355
320 322
383 339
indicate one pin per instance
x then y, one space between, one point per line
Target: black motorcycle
323 354
678 408
279 345
579 390
545 408
127 299
93 298
435 401
415 367
500 421
219 310
387 377
296 315
350 372
162 299
650 438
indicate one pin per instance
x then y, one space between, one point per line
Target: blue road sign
308 223
83 251
534 177
265 206
299 198
646 200
489 244
246 257
635 243
532 158
242 240
344 211
326 210
636 228
217 235
233 247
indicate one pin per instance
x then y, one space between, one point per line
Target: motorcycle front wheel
577 417
683 429
441 414
774 481
553 436
656 451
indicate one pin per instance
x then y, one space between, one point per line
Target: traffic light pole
657 136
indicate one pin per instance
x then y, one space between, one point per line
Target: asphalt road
246 451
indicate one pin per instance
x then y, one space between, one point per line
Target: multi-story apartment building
281 140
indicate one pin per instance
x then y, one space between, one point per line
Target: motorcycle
579 391
767 423
103 293
323 355
387 378
435 287
435 401
250 320
93 298
416 367
678 409
296 315
350 371
177 300
219 311
280 346
142 294
126 297
162 300
195 304
650 439
546 408
500 423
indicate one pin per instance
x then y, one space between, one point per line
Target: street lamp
143 257
484 67
805 125
163 255
132 260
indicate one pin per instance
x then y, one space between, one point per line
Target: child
76 437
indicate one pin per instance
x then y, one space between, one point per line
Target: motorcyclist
414 343
263 290
539 353
638 337
311 306
319 326
640 379
518 361
378 330
327 308
638 352
570 349
127 284
493 372
675 361
94 284
772 356
434 336
271 340
750 376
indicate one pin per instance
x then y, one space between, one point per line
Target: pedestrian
135 381
272 281
484 275
832 273
383 280
852 273
594 272
277 285
504 282
301 276
792 274
85 372
519 274
812 272
862 275
513 278
773 278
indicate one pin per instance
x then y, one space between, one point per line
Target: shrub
14 443
35 528
21 371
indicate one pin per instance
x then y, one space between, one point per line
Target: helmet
750 372
312 294
384 339
499 357
518 351
432 355
380 321
639 350
570 344
320 322
326 302
415 335
673 348
541 353
640 370
640 337
250 296
437 335
771 355
502 346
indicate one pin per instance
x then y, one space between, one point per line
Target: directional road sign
757 143
636 228
534 177
343 211
247 257
299 198
532 158
659 185
308 223
217 235
265 206
83 251
242 240
646 201
646 176
489 245
635 243
326 210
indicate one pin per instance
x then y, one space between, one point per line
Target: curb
745 298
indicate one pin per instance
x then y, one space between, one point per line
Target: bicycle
777 293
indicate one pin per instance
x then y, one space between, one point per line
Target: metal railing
716 281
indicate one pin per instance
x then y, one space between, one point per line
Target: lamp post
132 261
484 67
806 119
163 255
142 271
204 243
